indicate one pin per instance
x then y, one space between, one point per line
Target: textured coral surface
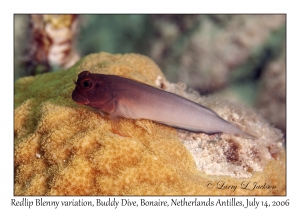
62 148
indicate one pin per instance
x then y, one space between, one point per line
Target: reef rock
271 101
62 148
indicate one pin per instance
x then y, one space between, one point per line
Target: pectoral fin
118 127
145 124
104 114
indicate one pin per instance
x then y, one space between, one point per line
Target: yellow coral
62 148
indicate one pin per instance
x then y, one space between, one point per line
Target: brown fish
122 97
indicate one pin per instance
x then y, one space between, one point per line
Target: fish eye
86 83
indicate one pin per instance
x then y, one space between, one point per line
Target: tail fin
239 132
248 135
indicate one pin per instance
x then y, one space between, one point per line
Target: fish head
92 90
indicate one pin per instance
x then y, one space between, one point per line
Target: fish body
122 97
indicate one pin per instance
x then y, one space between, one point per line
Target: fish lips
79 99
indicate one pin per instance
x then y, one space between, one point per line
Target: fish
121 97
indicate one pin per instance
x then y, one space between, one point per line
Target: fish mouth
80 103
79 99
